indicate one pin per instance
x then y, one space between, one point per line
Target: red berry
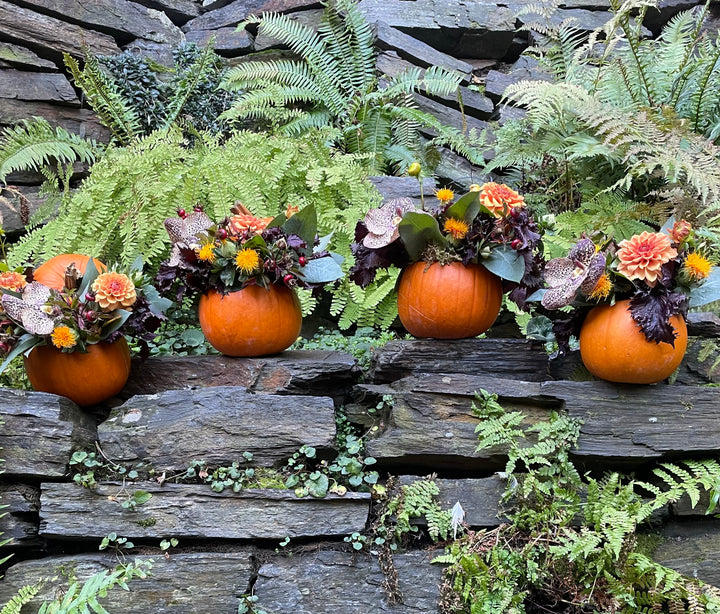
221 234
302 260
515 212
287 279
516 244
89 315
198 208
89 296
182 213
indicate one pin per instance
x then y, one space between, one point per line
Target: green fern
25 595
335 83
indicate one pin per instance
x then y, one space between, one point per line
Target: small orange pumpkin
86 378
52 272
253 321
454 301
613 348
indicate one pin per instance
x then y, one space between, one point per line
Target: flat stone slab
329 582
217 425
185 583
431 423
42 86
299 372
39 433
79 121
235 12
194 511
22 57
228 41
693 549
50 34
18 516
512 358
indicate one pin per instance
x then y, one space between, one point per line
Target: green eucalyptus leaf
320 271
121 316
466 208
303 224
26 343
89 276
708 292
506 263
418 230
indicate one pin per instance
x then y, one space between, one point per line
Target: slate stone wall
175 410
477 38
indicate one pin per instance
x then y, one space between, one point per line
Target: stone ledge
185 583
217 425
194 511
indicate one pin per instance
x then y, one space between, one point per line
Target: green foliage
116 542
25 595
35 145
628 113
118 213
569 538
249 605
360 344
334 82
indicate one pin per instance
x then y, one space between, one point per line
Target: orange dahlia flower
642 256
113 291
499 198
241 223
11 280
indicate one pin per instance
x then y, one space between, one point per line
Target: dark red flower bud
182 213
302 260
515 212
89 296
516 243
89 315
287 279
221 234
198 208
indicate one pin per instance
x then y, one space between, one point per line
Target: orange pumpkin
52 272
87 378
454 301
613 348
253 321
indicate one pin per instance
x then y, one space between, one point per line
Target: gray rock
525 69
511 358
11 207
417 52
51 35
703 324
79 121
399 187
319 583
656 18
39 433
18 519
121 18
479 29
184 583
22 58
190 511
162 53
216 425
179 11
42 86
692 549
228 41
239 10
295 372
448 116
458 170
701 364
432 424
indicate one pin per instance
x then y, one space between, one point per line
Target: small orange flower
602 289
113 291
247 260
696 266
11 280
247 223
63 337
499 198
444 195
642 256
207 253
291 210
457 228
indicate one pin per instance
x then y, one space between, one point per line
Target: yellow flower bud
414 169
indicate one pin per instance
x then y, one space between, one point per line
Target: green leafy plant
360 343
569 539
116 543
628 114
334 82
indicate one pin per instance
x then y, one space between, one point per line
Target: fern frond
34 144
112 109
25 595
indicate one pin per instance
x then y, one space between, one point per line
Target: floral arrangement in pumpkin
489 225
661 273
243 250
90 307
